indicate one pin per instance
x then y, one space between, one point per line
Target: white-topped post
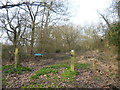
72 59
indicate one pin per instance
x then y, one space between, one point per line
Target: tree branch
105 19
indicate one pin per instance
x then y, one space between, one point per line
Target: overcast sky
86 11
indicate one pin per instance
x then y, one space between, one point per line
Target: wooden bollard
94 65
72 59
16 57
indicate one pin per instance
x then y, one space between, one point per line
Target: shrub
58 51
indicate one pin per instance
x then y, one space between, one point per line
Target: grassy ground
57 75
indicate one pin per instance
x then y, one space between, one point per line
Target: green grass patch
82 65
68 74
33 86
57 66
43 71
7 66
52 79
10 69
50 69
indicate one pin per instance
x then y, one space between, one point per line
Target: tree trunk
40 41
32 37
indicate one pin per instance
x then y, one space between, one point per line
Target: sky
86 11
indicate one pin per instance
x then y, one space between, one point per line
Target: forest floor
103 75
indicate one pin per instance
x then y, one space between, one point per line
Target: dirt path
87 78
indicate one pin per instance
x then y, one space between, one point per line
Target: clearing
54 73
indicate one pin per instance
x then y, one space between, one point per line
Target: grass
6 66
43 71
82 65
50 69
53 80
55 68
33 86
52 76
68 75
8 69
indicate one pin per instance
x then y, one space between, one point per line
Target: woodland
39 48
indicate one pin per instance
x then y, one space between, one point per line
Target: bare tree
70 36
12 24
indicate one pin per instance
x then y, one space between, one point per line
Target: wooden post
94 65
16 57
72 59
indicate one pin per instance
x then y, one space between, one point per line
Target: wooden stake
16 57
72 59
94 65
